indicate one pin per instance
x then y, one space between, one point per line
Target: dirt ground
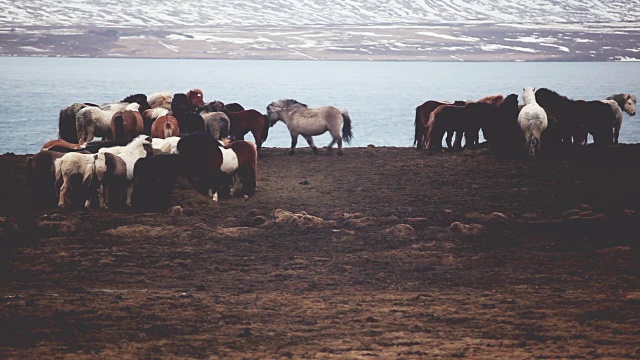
385 252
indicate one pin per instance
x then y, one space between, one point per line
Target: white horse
308 122
160 100
75 164
139 147
532 120
93 121
620 103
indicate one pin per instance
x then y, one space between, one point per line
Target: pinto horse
422 120
208 165
575 118
164 127
127 124
242 122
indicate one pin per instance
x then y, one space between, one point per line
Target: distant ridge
455 30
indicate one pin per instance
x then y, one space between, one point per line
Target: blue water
381 96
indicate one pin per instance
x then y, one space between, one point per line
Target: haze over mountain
309 29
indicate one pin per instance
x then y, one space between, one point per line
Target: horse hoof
340 153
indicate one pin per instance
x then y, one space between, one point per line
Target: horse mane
289 103
134 98
133 107
622 98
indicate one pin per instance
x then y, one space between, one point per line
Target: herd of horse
546 122
148 142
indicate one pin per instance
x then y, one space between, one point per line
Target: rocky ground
385 252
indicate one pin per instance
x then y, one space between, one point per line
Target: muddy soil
385 252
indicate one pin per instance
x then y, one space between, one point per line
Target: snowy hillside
308 12
464 30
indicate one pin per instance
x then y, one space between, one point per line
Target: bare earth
239 279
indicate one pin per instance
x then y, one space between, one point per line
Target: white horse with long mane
532 120
620 103
308 122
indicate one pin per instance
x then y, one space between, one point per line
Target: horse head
196 98
630 105
273 113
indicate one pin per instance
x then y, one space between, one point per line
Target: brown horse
61 144
164 127
126 124
246 121
467 119
422 120
41 177
195 98
494 100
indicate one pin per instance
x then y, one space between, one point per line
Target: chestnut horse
246 121
422 120
61 144
165 126
127 124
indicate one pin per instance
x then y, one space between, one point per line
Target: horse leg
129 192
339 141
63 193
448 139
294 142
457 143
333 141
101 194
310 142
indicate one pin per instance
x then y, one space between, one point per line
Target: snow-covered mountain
320 29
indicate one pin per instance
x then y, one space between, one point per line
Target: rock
401 232
301 220
587 214
282 216
496 216
259 220
269 224
305 182
337 216
417 221
475 216
200 287
467 229
584 207
176 211
618 250
357 215
232 222
529 216
629 212
372 221
255 212
570 213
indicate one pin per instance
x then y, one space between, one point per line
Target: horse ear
628 96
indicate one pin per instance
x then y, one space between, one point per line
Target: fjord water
381 97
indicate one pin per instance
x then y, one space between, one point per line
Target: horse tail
67 128
533 143
58 166
418 139
168 129
265 128
118 122
347 135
